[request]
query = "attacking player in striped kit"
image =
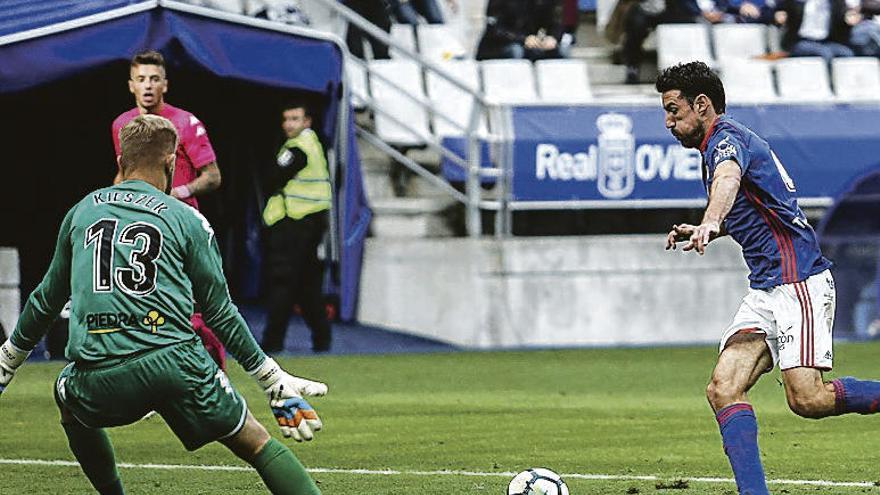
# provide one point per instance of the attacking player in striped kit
(787, 316)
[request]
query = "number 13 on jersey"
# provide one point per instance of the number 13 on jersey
(138, 276)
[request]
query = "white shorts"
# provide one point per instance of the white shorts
(796, 318)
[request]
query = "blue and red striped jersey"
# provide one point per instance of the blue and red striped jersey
(778, 244)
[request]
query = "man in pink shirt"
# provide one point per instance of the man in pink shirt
(195, 171)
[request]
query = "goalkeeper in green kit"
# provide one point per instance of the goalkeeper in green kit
(132, 260)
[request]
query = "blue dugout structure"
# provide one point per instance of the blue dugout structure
(63, 66)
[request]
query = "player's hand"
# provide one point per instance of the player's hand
(296, 417)
(11, 358)
(701, 236)
(181, 192)
(679, 233)
(749, 10)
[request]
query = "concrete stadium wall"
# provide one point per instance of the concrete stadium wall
(551, 291)
(10, 301)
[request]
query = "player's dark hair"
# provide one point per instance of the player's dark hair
(294, 104)
(150, 57)
(693, 79)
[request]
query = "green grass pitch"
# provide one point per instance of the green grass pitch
(621, 412)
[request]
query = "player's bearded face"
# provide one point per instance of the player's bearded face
(682, 120)
(148, 85)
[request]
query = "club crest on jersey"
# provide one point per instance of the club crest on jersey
(724, 150)
(154, 320)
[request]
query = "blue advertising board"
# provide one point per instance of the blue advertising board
(613, 153)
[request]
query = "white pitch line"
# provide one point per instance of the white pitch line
(396, 472)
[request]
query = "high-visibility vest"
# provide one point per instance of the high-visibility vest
(309, 191)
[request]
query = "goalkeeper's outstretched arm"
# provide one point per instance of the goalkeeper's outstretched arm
(41, 308)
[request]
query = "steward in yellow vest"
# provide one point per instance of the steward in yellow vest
(297, 216)
(309, 190)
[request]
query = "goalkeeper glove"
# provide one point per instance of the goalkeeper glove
(11, 358)
(294, 415)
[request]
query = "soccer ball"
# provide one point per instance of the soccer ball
(537, 481)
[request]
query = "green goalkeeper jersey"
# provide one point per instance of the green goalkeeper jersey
(133, 260)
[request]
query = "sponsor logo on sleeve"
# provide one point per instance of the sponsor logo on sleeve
(724, 150)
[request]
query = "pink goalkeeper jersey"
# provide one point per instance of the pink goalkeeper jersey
(193, 152)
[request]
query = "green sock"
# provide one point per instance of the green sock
(282, 472)
(93, 450)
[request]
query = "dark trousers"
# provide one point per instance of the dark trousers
(639, 24)
(375, 11)
(408, 12)
(294, 274)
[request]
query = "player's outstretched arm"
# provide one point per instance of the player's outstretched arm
(725, 186)
(11, 358)
(295, 416)
(41, 308)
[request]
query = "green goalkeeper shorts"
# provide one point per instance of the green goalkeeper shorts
(180, 382)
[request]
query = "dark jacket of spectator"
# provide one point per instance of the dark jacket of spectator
(733, 8)
(510, 21)
(838, 31)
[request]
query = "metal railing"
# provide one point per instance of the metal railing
(498, 134)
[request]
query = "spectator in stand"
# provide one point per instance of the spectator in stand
(817, 28)
(521, 29)
(286, 11)
(746, 11)
(408, 11)
(379, 13)
(570, 14)
(643, 16)
(865, 35)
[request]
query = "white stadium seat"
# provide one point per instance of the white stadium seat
(739, 41)
(439, 42)
(563, 81)
(405, 36)
(454, 102)
(406, 74)
(356, 75)
(856, 78)
(509, 81)
(748, 81)
(683, 43)
(803, 79)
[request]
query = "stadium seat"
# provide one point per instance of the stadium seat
(563, 81)
(403, 35)
(803, 79)
(393, 103)
(356, 75)
(739, 41)
(748, 81)
(683, 43)
(509, 81)
(439, 42)
(454, 102)
(856, 78)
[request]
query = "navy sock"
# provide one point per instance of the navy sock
(739, 435)
(858, 396)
